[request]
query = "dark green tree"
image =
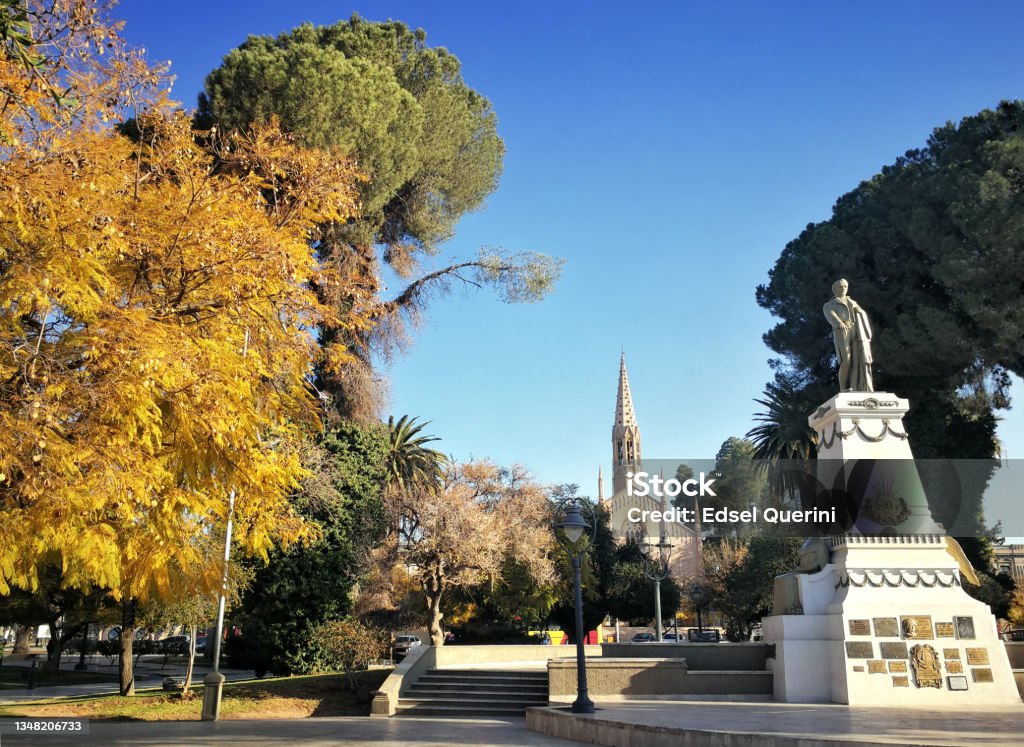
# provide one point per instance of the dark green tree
(430, 149)
(309, 585)
(933, 249)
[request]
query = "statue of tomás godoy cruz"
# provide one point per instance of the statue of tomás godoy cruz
(851, 332)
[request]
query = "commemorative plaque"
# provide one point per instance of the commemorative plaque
(944, 630)
(954, 667)
(950, 653)
(917, 627)
(897, 666)
(886, 627)
(858, 668)
(981, 675)
(957, 683)
(924, 660)
(903, 681)
(860, 627)
(893, 650)
(859, 650)
(964, 627)
(977, 656)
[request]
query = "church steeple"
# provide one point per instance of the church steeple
(625, 433)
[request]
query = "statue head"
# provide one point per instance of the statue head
(840, 287)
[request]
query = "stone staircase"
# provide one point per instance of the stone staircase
(475, 693)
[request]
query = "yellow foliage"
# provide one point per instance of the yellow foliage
(156, 319)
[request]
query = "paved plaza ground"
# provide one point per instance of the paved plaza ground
(318, 732)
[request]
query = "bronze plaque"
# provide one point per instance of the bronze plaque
(903, 681)
(977, 656)
(860, 627)
(924, 660)
(859, 650)
(954, 667)
(894, 650)
(944, 630)
(897, 666)
(964, 627)
(981, 675)
(917, 627)
(858, 668)
(950, 653)
(886, 627)
(876, 666)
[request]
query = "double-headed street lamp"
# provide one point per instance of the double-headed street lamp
(656, 557)
(575, 534)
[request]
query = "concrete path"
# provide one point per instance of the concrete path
(681, 723)
(315, 732)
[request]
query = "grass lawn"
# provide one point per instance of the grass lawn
(14, 677)
(283, 697)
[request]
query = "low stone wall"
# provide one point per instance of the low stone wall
(699, 656)
(635, 677)
(1015, 652)
(455, 656)
(415, 663)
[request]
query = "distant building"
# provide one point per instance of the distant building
(687, 559)
(1009, 559)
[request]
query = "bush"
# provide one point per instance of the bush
(350, 645)
(245, 652)
(494, 632)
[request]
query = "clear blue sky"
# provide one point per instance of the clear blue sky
(668, 154)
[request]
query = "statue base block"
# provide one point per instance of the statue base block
(887, 623)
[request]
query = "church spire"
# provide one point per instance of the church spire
(625, 433)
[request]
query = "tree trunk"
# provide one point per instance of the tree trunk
(434, 586)
(126, 674)
(23, 639)
(191, 659)
(60, 635)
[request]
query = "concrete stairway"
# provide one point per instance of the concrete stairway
(474, 692)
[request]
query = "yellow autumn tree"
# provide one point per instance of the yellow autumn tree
(156, 316)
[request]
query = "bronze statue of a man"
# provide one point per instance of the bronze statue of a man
(851, 332)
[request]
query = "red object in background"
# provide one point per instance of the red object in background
(592, 638)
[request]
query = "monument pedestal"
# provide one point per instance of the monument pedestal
(886, 622)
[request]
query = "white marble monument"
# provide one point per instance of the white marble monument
(881, 618)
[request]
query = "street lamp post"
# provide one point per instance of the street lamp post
(656, 557)
(575, 535)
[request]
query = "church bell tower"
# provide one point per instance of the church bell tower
(625, 434)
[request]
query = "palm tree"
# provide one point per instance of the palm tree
(411, 464)
(784, 442)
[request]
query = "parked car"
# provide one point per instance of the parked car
(671, 638)
(201, 643)
(405, 643)
(642, 638)
(704, 636)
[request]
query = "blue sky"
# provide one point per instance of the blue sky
(668, 152)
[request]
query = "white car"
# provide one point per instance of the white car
(405, 643)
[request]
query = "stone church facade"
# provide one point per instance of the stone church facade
(686, 562)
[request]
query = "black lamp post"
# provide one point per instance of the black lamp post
(575, 535)
(656, 557)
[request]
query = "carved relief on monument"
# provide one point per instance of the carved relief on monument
(917, 627)
(925, 662)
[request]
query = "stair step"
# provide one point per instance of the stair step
(440, 679)
(482, 687)
(432, 709)
(482, 697)
(491, 673)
